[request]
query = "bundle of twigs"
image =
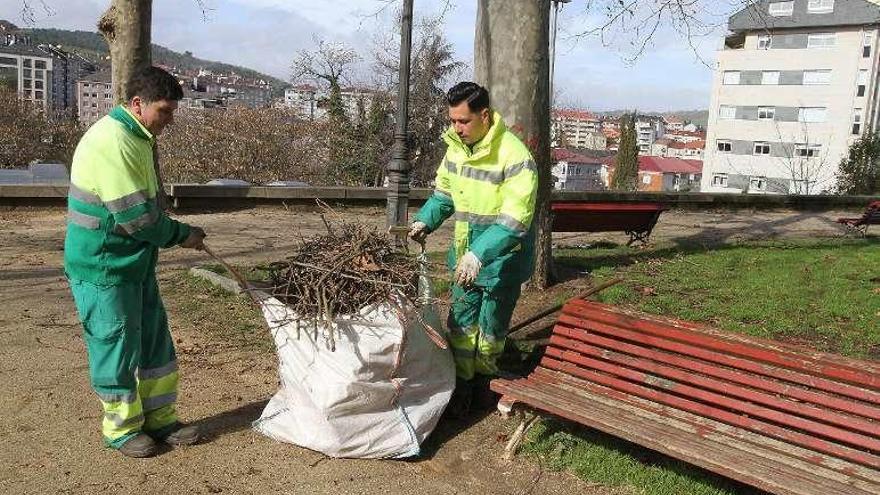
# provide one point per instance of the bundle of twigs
(342, 271)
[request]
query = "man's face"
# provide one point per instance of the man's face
(470, 126)
(154, 115)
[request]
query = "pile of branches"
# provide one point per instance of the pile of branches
(342, 271)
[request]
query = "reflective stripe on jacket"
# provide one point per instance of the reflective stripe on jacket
(114, 224)
(491, 192)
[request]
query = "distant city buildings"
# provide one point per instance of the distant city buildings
(576, 129)
(796, 85)
(95, 97)
(312, 103)
(578, 171)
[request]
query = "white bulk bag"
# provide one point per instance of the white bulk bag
(378, 395)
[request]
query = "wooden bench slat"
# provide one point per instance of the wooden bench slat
(576, 364)
(734, 376)
(709, 427)
(768, 470)
(710, 411)
(659, 340)
(758, 351)
(798, 409)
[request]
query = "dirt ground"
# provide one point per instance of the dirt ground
(49, 418)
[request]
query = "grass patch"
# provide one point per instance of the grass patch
(821, 293)
(228, 317)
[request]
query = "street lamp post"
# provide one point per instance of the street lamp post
(399, 166)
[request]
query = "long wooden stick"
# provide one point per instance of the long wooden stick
(241, 280)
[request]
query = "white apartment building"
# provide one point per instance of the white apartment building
(311, 102)
(575, 172)
(648, 130)
(796, 84)
(27, 71)
(576, 129)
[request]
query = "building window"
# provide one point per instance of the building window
(857, 121)
(766, 113)
(757, 183)
(817, 77)
(821, 40)
(646, 179)
(762, 148)
(781, 9)
(812, 114)
(770, 77)
(726, 112)
(764, 41)
(26, 84)
(820, 6)
(807, 150)
(39, 64)
(724, 146)
(107, 96)
(26, 62)
(731, 77)
(38, 95)
(867, 41)
(862, 82)
(719, 180)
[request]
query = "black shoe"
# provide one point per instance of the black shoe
(460, 403)
(140, 445)
(182, 434)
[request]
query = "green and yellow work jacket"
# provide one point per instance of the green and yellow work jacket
(491, 190)
(114, 223)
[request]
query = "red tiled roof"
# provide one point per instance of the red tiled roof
(673, 120)
(573, 114)
(690, 145)
(562, 154)
(687, 133)
(669, 165)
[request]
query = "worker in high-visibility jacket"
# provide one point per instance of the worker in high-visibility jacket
(115, 227)
(488, 181)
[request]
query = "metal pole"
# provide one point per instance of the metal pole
(399, 167)
(553, 17)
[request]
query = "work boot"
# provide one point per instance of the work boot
(484, 399)
(460, 403)
(182, 434)
(140, 445)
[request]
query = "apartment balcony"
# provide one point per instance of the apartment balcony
(735, 41)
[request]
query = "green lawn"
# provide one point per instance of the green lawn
(824, 294)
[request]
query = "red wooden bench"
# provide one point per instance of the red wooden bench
(859, 225)
(635, 219)
(766, 414)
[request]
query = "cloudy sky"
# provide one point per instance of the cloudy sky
(671, 73)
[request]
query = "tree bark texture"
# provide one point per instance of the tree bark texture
(126, 26)
(511, 59)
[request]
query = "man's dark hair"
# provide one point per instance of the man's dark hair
(153, 84)
(475, 95)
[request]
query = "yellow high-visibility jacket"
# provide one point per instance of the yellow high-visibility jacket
(114, 224)
(491, 190)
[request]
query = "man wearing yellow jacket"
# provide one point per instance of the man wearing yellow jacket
(488, 181)
(115, 228)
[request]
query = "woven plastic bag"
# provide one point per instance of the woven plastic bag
(378, 395)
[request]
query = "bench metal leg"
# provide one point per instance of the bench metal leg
(516, 439)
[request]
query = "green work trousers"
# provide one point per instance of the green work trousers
(478, 323)
(132, 363)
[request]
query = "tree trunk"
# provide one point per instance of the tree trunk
(511, 59)
(126, 27)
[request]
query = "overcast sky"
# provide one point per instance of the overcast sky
(265, 35)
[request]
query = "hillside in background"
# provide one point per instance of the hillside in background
(92, 46)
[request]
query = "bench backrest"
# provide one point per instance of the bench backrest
(827, 404)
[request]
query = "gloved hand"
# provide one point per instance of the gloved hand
(467, 270)
(195, 240)
(418, 231)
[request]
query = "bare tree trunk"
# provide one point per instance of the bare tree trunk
(126, 27)
(511, 59)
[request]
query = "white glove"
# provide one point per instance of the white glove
(418, 231)
(467, 270)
